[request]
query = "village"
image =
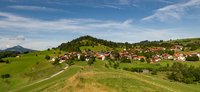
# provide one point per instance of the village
(151, 55)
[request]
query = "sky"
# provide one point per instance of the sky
(42, 24)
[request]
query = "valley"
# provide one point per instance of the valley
(33, 72)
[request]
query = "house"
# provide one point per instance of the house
(155, 59)
(140, 57)
(156, 49)
(87, 59)
(195, 53)
(198, 54)
(79, 56)
(53, 59)
(176, 48)
(167, 56)
(179, 57)
(134, 57)
(102, 56)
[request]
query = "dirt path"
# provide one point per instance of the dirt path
(47, 78)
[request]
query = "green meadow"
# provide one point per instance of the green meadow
(27, 70)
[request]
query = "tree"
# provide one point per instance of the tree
(142, 60)
(115, 54)
(56, 62)
(116, 65)
(192, 58)
(70, 62)
(91, 61)
(148, 60)
(47, 57)
(125, 60)
(171, 52)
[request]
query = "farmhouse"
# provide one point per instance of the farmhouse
(179, 57)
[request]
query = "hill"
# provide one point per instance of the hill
(32, 72)
(18, 48)
(97, 78)
(92, 43)
(76, 44)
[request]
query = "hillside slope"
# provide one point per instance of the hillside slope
(75, 44)
(88, 42)
(96, 78)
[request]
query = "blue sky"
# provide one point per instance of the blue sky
(41, 24)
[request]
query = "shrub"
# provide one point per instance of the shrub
(125, 60)
(142, 60)
(91, 61)
(47, 57)
(183, 73)
(116, 65)
(2, 61)
(70, 62)
(4, 76)
(56, 62)
(192, 58)
(7, 61)
(154, 72)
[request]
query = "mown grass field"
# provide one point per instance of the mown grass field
(26, 69)
(29, 68)
(97, 78)
(163, 63)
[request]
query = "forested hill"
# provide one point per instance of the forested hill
(89, 41)
(75, 44)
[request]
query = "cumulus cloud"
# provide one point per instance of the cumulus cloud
(14, 22)
(53, 30)
(172, 12)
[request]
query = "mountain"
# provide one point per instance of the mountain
(18, 48)
(75, 44)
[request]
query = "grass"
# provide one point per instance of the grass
(45, 84)
(95, 48)
(100, 79)
(80, 77)
(26, 69)
(138, 64)
(163, 63)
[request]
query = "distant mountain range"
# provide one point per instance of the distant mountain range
(18, 48)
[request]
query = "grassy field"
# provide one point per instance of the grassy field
(30, 68)
(26, 69)
(95, 48)
(163, 63)
(97, 78)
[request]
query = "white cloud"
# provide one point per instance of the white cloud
(18, 38)
(13, 22)
(172, 12)
(105, 29)
(107, 6)
(36, 8)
